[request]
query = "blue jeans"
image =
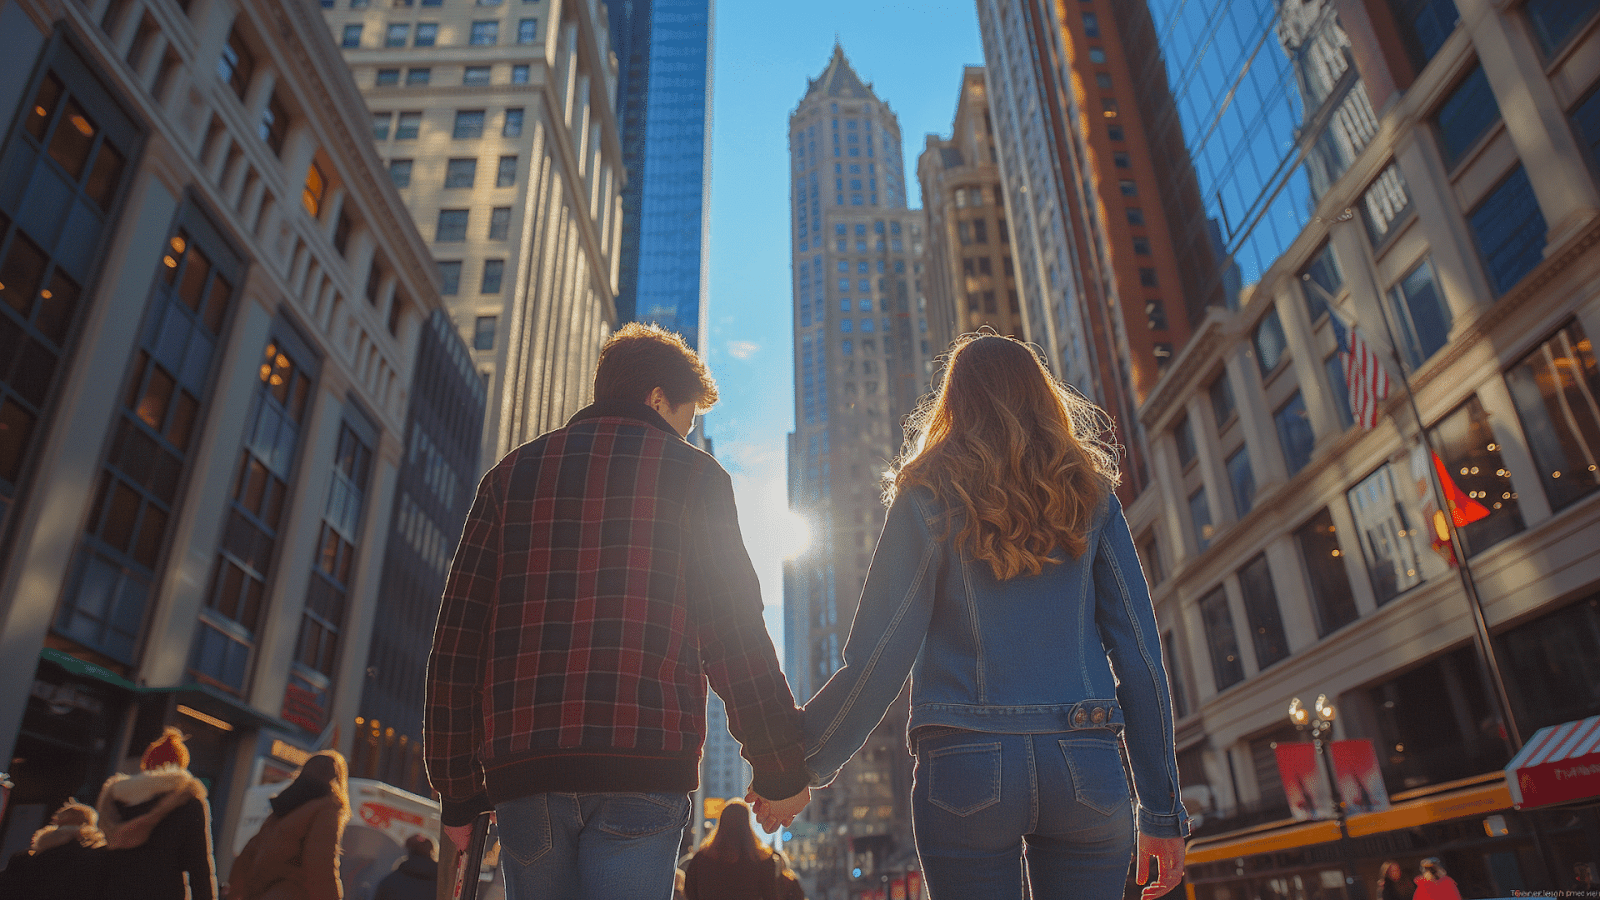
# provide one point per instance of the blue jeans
(603, 846)
(984, 805)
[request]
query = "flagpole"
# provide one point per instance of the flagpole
(1511, 734)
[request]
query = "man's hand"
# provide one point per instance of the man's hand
(1168, 854)
(771, 814)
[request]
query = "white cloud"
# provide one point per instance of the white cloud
(742, 349)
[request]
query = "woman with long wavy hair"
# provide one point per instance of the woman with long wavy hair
(733, 864)
(1006, 585)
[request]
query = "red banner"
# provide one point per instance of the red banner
(1360, 780)
(1305, 784)
(914, 885)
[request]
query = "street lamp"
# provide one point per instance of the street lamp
(1318, 721)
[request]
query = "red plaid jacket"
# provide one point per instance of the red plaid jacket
(600, 580)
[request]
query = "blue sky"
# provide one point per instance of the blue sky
(912, 54)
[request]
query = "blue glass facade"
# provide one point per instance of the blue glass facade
(1262, 101)
(663, 51)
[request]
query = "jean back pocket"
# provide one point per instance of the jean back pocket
(1098, 779)
(964, 778)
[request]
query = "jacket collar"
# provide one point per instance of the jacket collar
(626, 409)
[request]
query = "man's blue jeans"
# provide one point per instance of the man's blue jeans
(610, 846)
(983, 806)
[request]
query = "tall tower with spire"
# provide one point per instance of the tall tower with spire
(862, 359)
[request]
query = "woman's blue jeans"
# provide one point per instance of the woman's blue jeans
(984, 806)
(600, 846)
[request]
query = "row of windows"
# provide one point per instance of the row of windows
(452, 226)
(493, 276)
(460, 172)
(400, 34)
(420, 76)
(468, 124)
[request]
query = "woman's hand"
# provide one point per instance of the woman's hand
(1168, 854)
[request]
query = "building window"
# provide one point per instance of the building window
(165, 396)
(1555, 390)
(1150, 559)
(1385, 204)
(499, 222)
(1121, 160)
(1147, 277)
(1556, 21)
(1320, 282)
(484, 34)
(1509, 230)
(1227, 669)
(1200, 518)
(380, 126)
(1183, 436)
(427, 33)
(407, 126)
(315, 190)
(483, 332)
(1135, 216)
(469, 124)
(1420, 312)
(527, 31)
(449, 277)
(1222, 408)
(322, 622)
(519, 74)
(506, 174)
(1424, 25)
(237, 64)
(400, 172)
(1551, 666)
(396, 35)
(274, 128)
(387, 78)
(1482, 500)
(1243, 481)
(475, 75)
(1294, 433)
(1271, 346)
(350, 38)
(493, 273)
(452, 226)
(1261, 611)
(513, 123)
(1586, 122)
(1465, 116)
(236, 599)
(460, 173)
(1331, 600)
(1102, 80)
(1155, 314)
(418, 76)
(1114, 132)
(1386, 534)
(341, 232)
(1339, 386)
(1161, 350)
(1141, 246)
(1176, 683)
(1129, 187)
(1091, 25)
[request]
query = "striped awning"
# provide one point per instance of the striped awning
(1558, 764)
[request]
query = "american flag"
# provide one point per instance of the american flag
(1364, 374)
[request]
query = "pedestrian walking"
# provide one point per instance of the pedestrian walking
(295, 854)
(733, 864)
(1006, 583)
(1391, 881)
(157, 825)
(64, 859)
(1433, 883)
(600, 582)
(414, 878)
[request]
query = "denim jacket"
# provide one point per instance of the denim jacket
(1073, 647)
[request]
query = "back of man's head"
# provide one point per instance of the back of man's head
(640, 358)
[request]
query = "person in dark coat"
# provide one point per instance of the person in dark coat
(414, 878)
(1391, 881)
(158, 827)
(733, 864)
(64, 859)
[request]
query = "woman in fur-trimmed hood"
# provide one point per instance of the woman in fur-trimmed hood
(63, 860)
(295, 855)
(158, 827)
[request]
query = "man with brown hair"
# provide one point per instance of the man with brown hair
(600, 581)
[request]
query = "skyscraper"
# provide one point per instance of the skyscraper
(663, 52)
(497, 123)
(861, 362)
(969, 275)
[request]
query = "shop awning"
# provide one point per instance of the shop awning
(1559, 763)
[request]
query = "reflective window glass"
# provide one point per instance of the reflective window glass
(1556, 390)
(1509, 230)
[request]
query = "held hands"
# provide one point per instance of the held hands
(771, 814)
(1168, 854)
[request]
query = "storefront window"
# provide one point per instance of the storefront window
(1482, 498)
(1387, 535)
(1556, 390)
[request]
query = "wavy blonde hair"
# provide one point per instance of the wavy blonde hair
(1017, 452)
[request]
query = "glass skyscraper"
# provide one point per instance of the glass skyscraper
(663, 52)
